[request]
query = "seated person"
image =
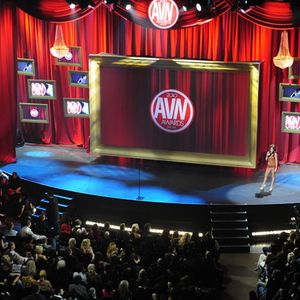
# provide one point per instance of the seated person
(26, 231)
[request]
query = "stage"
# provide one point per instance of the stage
(72, 169)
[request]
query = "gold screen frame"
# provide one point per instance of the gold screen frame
(98, 60)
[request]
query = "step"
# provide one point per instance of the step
(63, 197)
(59, 204)
(229, 221)
(219, 225)
(232, 216)
(41, 208)
(241, 237)
(228, 212)
(233, 230)
(44, 209)
(233, 240)
(235, 248)
(225, 232)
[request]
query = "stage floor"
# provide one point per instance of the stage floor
(72, 169)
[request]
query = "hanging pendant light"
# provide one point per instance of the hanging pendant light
(59, 49)
(283, 59)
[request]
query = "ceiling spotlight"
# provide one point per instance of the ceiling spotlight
(184, 8)
(72, 3)
(126, 4)
(91, 4)
(198, 6)
(109, 1)
(85, 4)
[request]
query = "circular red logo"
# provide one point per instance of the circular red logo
(172, 111)
(163, 13)
(34, 113)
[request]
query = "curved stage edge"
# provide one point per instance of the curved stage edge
(176, 196)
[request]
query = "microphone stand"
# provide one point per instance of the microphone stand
(139, 197)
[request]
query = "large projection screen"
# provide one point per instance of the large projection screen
(190, 111)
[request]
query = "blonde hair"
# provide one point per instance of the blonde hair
(135, 227)
(185, 239)
(91, 268)
(123, 288)
(86, 246)
(72, 242)
(5, 259)
(30, 268)
(61, 264)
(39, 249)
(43, 274)
(111, 249)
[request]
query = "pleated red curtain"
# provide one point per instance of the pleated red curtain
(8, 82)
(226, 38)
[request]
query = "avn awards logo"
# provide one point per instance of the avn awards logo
(163, 13)
(34, 113)
(172, 111)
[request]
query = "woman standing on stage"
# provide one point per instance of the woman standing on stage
(272, 163)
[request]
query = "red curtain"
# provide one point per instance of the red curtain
(54, 10)
(220, 102)
(272, 14)
(226, 38)
(8, 82)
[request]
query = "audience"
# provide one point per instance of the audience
(102, 263)
(279, 269)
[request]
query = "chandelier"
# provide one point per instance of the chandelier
(59, 49)
(283, 59)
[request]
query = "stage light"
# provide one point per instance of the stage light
(126, 4)
(198, 6)
(91, 4)
(110, 1)
(244, 6)
(72, 3)
(152, 230)
(85, 4)
(271, 232)
(184, 7)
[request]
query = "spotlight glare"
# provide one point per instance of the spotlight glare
(198, 6)
(184, 8)
(128, 6)
(72, 5)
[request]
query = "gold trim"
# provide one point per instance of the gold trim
(95, 63)
(23, 120)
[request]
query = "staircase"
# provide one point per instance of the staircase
(63, 204)
(229, 226)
